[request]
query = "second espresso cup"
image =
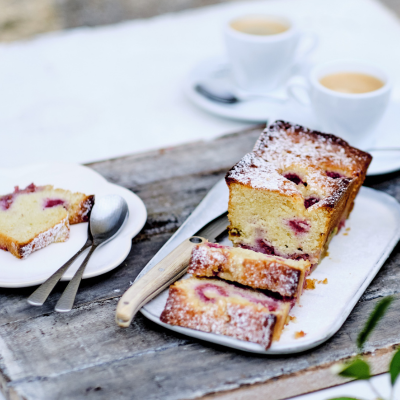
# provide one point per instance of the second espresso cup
(261, 50)
(349, 99)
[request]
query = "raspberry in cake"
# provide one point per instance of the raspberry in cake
(211, 305)
(249, 268)
(293, 193)
(37, 216)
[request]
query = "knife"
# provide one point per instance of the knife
(167, 271)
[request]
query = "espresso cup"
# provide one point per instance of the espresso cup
(349, 99)
(262, 49)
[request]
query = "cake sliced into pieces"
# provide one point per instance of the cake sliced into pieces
(37, 216)
(211, 305)
(294, 192)
(249, 268)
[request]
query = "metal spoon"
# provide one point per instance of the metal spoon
(106, 220)
(220, 94)
(40, 295)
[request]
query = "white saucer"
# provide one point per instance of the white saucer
(40, 265)
(261, 110)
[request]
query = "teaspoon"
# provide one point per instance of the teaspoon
(107, 218)
(224, 96)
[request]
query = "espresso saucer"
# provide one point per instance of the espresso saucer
(260, 110)
(216, 70)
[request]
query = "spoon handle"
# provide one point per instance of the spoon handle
(67, 299)
(39, 296)
(167, 271)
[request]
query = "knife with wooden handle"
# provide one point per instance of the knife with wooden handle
(166, 272)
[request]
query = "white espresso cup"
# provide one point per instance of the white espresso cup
(352, 116)
(260, 62)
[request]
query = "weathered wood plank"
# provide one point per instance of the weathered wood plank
(48, 355)
(146, 363)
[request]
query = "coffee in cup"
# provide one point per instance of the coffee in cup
(262, 50)
(351, 82)
(261, 26)
(348, 97)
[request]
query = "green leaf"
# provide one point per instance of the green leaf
(358, 369)
(376, 315)
(344, 398)
(395, 367)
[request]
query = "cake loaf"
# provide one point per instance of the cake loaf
(211, 305)
(37, 216)
(293, 193)
(249, 268)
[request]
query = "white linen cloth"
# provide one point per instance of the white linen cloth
(94, 93)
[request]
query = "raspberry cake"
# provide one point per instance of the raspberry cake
(249, 268)
(37, 216)
(293, 193)
(211, 305)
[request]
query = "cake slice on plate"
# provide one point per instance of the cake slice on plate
(37, 216)
(293, 193)
(211, 305)
(249, 268)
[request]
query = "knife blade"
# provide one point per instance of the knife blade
(167, 271)
(214, 228)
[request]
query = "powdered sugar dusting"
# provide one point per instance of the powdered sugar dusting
(254, 171)
(285, 145)
(203, 256)
(248, 268)
(58, 233)
(242, 314)
(86, 207)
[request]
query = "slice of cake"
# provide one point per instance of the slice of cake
(249, 268)
(37, 216)
(211, 305)
(294, 192)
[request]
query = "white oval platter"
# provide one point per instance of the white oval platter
(355, 256)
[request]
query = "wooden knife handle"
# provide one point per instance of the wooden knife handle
(167, 271)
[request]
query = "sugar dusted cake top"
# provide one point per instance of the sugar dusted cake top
(254, 171)
(309, 165)
(286, 144)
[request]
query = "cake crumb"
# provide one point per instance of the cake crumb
(327, 254)
(347, 229)
(298, 335)
(310, 284)
(345, 234)
(292, 319)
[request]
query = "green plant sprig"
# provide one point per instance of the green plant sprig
(358, 368)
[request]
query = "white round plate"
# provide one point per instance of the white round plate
(36, 268)
(260, 110)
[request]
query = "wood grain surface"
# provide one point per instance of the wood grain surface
(84, 354)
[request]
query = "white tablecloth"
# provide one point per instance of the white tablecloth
(93, 93)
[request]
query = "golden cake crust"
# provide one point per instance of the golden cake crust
(249, 268)
(215, 306)
(57, 233)
(285, 144)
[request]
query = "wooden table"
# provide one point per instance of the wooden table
(83, 354)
